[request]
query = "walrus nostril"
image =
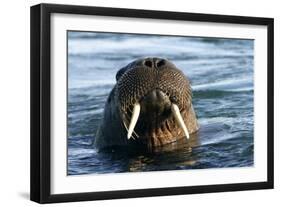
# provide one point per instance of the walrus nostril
(160, 62)
(148, 63)
(154, 62)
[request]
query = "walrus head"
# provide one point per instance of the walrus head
(152, 100)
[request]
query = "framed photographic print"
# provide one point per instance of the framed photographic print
(132, 103)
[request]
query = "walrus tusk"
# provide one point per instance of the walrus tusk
(134, 119)
(177, 114)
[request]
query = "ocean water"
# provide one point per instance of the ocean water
(221, 74)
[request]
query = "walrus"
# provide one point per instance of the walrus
(150, 105)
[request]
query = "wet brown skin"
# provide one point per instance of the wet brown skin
(155, 84)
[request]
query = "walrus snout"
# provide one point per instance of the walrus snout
(156, 102)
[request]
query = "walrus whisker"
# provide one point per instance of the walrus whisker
(127, 130)
(125, 120)
(125, 126)
(126, 117)
(134, 119)
(135, 133)
(179, 119)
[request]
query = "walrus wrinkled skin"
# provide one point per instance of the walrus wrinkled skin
(150, 105)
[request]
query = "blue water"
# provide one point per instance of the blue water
(221, 74)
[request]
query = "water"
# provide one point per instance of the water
(221, 74)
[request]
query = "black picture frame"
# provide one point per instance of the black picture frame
(41, 98)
